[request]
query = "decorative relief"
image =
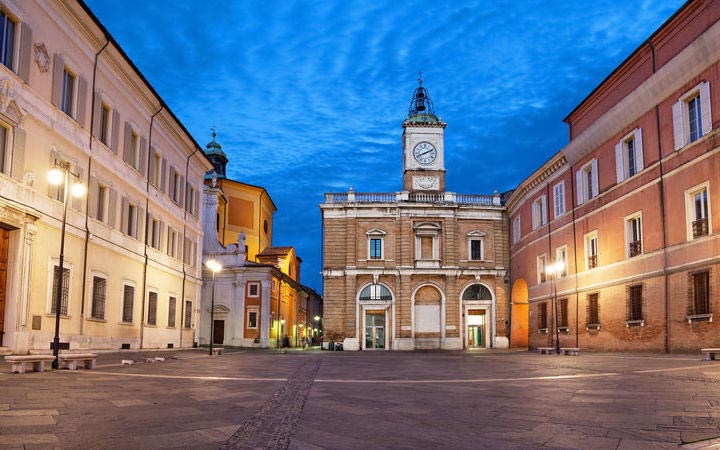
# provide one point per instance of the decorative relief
(426, 183)
(7, 93)
(41, 57)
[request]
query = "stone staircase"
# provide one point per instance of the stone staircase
(4, 351)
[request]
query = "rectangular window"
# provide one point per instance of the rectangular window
(559, 198)
(587, 182)
(561, 257)
(128, 303)
(188, 314)
(692, 115)
(541, 269)
(539, 212)
(542, 316)
(152, 308)
(629, 155)
(593, 309)
(698, 212)
(154, 230)
(476, 249)
(7, 41)
(130, 225)
(252, 319)
(67, 97)
(376, 248)
(699, 295)
(171, 242)
(174, 185)
(635, 302)
(100, 206)
(3, 149)
(591, 250)
(253, 289)
(516, 230)
(65, 290)
(189, 199)
(133, 156)
(171, 311)
(563, 313)
(105, 124)
(633, 235)
(157, 169)
(99, 287)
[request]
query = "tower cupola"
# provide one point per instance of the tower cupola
(216, 155)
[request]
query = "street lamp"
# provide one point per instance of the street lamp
(317, 327)
(553, 270)
(60, 174)
(214, 267)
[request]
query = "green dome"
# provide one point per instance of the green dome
(213, 148)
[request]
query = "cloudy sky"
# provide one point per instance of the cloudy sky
(308, 96)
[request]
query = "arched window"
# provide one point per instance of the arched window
(375, 292)
(477, 292)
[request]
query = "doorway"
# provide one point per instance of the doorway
(476, 328)
(218, 331)
(375, 330)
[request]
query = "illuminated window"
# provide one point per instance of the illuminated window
(591, 250)
(541, 263)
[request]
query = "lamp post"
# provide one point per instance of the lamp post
(553, 270)
(214, 267)
(60, 175)
(317, 327)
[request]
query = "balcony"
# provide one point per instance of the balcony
(634, 249)
(700, 228)
(592, 261)
(446, 198)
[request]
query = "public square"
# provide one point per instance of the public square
(314, 399)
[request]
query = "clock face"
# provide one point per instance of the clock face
(425, 153)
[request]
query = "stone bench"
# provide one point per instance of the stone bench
(217, 351)
(70, 360)
(710, 353)
(21, 363)
(570, 351)
(546, 350)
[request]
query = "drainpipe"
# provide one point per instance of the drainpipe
(575, 259)
(145, 247)
(87, 196)
(661, 184)
(182, 295)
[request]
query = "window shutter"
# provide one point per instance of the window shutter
(705, 108)
(181, 191)
(127, 140)
(595, 189)
(151, 164)
(196, 202)
(112, 208)
(58, 68)
(76, 202)
(25, 52)
(619, 161)
(161, 236)
(18, 154)
(678, 125)
(163, 175)
(97, 107)
(544, 215)
(140, 224)
(142, 157)
(639, 162)
(124, 216)
(579, 190)
(93, 197)
(115, 138)
(81, 101)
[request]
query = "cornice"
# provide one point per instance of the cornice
(543, 173)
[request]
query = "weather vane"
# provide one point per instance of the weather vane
(420, 77)
(212, 128)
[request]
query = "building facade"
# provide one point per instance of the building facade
(628, 207)
(256, 299)
(420, 268)
(71, 98)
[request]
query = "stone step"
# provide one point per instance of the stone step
(4, 351)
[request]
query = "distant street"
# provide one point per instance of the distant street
(353, 400)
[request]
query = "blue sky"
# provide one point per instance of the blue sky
(309, 97)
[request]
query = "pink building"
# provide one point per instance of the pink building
(627, 206)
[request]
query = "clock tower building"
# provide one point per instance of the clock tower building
(423, 146)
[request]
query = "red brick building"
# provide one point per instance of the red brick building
(629, 206)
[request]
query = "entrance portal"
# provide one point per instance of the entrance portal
(218, 331)
(375, 330)
(476, 328)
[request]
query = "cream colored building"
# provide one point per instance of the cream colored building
(419, 268)
(69, 94)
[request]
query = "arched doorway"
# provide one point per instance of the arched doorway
(428, 317)
(374, 304)
(519, 314)
(477, 302)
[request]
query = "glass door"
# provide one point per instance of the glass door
(476, 328)
(374, 330)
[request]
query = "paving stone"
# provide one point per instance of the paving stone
(14, 421)
(26, 438)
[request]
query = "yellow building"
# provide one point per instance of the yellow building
(71, 98)
(257, 298)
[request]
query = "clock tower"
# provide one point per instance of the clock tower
(423, 145)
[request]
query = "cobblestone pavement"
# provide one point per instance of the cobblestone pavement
(347, 400)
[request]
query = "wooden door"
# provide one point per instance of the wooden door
(4, 245)
(218, 331)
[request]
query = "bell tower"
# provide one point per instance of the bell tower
(423, 145)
